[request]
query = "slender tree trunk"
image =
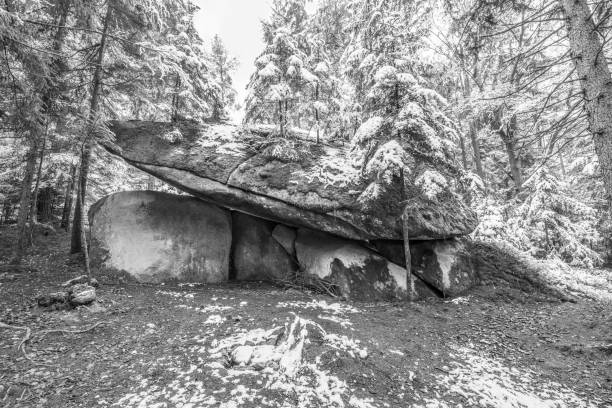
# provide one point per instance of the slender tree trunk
(69, 197)
(476, 149)
(77, 244)
(281, 118)
(463, 153)
(514, 161)
(317, 113)
(410, 284)
(506, 133)
(562, 164)
(34, 200)
(596, 81)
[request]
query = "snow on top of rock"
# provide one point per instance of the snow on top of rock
(332, 169)
(432, 183)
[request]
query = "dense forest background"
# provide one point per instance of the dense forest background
(514, 96)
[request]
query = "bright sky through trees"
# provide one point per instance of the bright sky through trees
(238, 22)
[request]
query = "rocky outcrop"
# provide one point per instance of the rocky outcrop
(445, 265)
(356, 272)
(296, 183)
(256, 255)
(157, 237)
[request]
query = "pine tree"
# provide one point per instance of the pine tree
(281, 71)
(222, 65)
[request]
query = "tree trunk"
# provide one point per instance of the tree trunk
(506, 133)
(45, 204)
(405, 228)
(317, 113)
(463, 153)
(77, 244)
(70, 186)
(596, 81)
(281, 118)
(34, 200)
(476, 150)
(562, 164)
(24, 204)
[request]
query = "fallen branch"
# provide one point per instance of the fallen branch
(28, 336)
(68, 331)
(313, 283)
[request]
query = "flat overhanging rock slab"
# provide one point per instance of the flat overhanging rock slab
(294, 182)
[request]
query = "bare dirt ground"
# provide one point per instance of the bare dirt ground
(180, 346)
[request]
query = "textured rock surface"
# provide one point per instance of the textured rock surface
(444, 264)
(320, 190)
(82, 294)
(359, 273)
(156, 237)
(256, 255)
(286, 237)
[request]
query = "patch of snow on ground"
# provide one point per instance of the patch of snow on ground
(176, 295)
(343, 343)
(214, 319)
(345, 323)
(206, 309)
(334, 308)
(487, 382)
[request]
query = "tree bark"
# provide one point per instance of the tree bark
(24, 205)
(476, 150)
(68, 199)
(405, 228)
(596, 82)
(77, 244)
(506, 133)
(34, 200)
(45, 204)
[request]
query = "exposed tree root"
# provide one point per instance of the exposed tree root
(28, 336)
(43, 333)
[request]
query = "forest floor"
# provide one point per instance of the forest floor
(168, 346)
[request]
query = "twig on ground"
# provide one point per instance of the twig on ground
(28, 336)
(68, 331)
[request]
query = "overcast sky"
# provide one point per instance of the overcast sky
(238, 24)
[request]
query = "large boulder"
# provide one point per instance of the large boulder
(355, 271)
(157, 237)
(256, 255)
(292, 181)
(445, 265)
